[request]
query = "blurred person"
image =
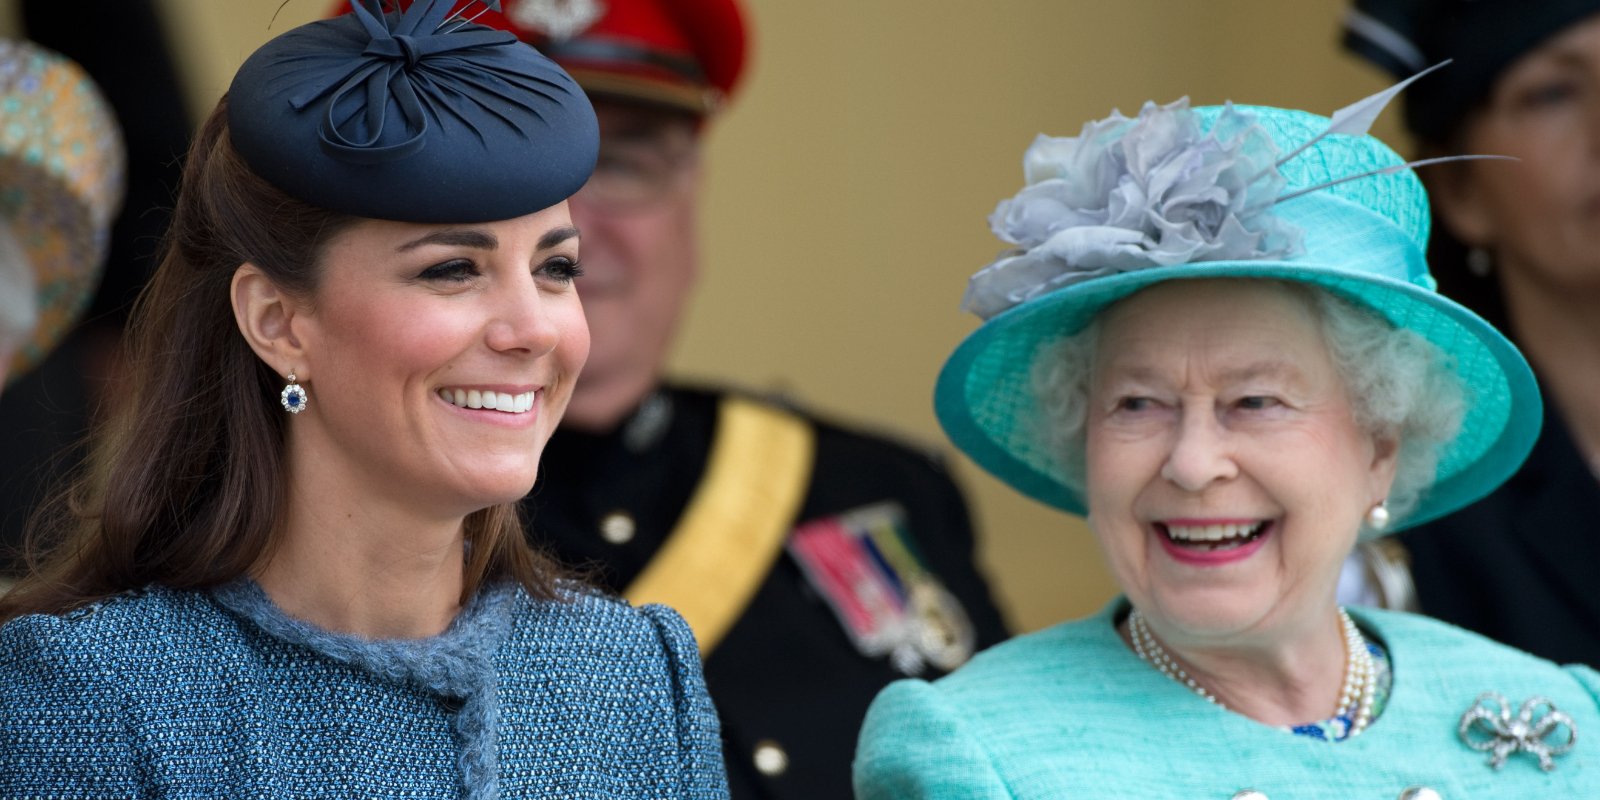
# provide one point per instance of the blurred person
(125, 49)
(295, 566)
(1519, 243)
(1214, 335)
(61, 181)
(815, 563)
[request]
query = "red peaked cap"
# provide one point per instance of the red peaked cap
(687, 54)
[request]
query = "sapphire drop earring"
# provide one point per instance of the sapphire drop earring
(293, 396)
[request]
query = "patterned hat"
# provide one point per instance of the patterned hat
(1221, 192)
(62, 168)
(685, 54)
(414, 115)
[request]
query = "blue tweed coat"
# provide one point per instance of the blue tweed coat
(173, 694)
(1071, 712)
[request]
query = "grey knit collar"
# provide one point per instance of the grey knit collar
(457, 666)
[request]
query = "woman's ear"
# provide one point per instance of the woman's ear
(1459, 197)
(1385, 463)
(265, 315)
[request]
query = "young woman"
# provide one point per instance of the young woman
(294, 569)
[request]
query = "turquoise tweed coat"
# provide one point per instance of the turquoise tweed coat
(179, 694)
(1071, 712)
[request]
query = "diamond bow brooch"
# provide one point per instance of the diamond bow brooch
(1490, 727)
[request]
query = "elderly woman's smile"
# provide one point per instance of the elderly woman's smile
(1210, 541)
(1227, 474)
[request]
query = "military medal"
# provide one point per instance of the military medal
(865, 566)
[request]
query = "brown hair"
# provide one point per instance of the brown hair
(185, 483)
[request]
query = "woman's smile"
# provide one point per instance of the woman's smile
(1212, 543)
(504, 404)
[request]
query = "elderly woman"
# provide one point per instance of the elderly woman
(296, 568)
(1518, 243)
(1217, 338)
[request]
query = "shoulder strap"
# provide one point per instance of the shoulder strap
(736, 522)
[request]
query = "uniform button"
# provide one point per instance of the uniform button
(770, 758)
(617, 527)
(1249, 794)
(1419, 793)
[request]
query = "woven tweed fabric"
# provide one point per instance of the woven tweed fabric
(1072, 712)
(187, 695)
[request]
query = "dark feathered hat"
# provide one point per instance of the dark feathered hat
(1481, 38)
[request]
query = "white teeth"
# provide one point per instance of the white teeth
(493, 401)
(1210, 533)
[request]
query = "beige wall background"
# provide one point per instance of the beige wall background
(849, 184)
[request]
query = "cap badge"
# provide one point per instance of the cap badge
(558, 19)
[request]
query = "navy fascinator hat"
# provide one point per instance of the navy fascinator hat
(413, 115)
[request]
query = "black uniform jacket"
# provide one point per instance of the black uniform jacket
(790, 686)
(1523, 564)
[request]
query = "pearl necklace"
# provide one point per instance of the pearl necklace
(1360, 687)
(1151, 652)
(1356, 695)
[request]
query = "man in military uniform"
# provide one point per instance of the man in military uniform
(814, 563)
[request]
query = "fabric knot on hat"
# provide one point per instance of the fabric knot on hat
(407, 45)
(392, 69)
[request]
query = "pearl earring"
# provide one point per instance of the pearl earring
(293, 397)
(1479, 262)
(1378, 517)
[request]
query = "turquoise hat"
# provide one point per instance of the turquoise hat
(1219, 192)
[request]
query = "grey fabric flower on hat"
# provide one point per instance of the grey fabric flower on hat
(1128, 194)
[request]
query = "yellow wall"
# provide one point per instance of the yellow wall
(850, 182)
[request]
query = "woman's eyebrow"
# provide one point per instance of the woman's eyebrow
(557, 236)
(481, 240)
(1572, 57)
